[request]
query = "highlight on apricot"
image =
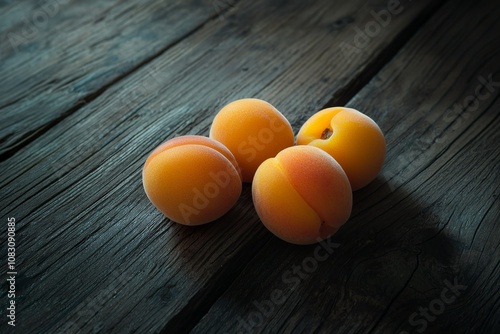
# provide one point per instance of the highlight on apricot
(192, 180)
(302, 195)
(350, 137)
(253, 130)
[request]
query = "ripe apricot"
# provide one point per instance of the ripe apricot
(302, 195)
(352, 138)
(253, 130)
(192, 180)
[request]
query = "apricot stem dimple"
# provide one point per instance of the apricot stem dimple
(327, 133)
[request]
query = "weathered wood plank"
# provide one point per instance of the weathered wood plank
(95, 254)
(429, 222)
(57, 55)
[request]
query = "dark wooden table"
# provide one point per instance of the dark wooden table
(88, 89)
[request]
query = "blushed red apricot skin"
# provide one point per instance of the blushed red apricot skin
(253, 130)
(353, 139)
(302, 195)
(192, 180)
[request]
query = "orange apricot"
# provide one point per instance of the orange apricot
(302, 195)
(192, 180)
(349, 136)
(253, 130)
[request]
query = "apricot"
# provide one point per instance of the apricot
(192, 180)
(302, 195)
(253, 130)
(352, 138)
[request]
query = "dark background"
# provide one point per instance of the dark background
(88, 89)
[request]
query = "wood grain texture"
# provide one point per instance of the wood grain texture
(58, 55)
(431, 217)
(95, 254)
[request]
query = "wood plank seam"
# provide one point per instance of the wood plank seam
(30, 136)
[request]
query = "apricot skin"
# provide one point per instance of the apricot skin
(192, 180)
(253, 130)
(349, 136)
(302, 195)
